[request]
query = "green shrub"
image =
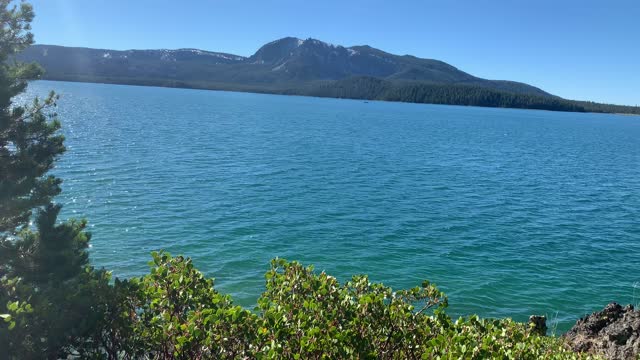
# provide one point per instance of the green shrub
(175, 313)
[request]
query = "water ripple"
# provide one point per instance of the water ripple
(511, 212)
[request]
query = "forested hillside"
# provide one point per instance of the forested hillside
(458, 94)
(302, 67)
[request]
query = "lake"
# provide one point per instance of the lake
(510, 212)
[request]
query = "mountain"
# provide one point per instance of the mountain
(311, 59)
(294, 66)
(285, 61)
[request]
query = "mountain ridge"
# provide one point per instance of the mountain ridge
(295, 66)
(290, 59)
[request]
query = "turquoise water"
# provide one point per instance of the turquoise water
(511, 212)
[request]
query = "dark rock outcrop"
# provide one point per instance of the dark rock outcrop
(613, 333)
(538, 324)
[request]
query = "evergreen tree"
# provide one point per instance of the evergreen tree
(29, 143)
(47, 289)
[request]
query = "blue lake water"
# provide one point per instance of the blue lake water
(510, 212)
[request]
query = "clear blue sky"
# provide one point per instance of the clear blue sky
(578, 49)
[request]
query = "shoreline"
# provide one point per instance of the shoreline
(291, 92)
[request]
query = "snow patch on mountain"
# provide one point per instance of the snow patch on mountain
(213, 54)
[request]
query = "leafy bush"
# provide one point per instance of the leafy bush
(179, 315)
(175, 313)
(305, 315)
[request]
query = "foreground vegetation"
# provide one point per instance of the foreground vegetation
(175, 313)
(55, 305)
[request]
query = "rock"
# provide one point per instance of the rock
(613, 333)
(539, 324)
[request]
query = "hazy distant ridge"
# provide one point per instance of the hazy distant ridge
(306, 67)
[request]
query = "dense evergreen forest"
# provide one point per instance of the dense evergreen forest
(467, 95)
(369, 88)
